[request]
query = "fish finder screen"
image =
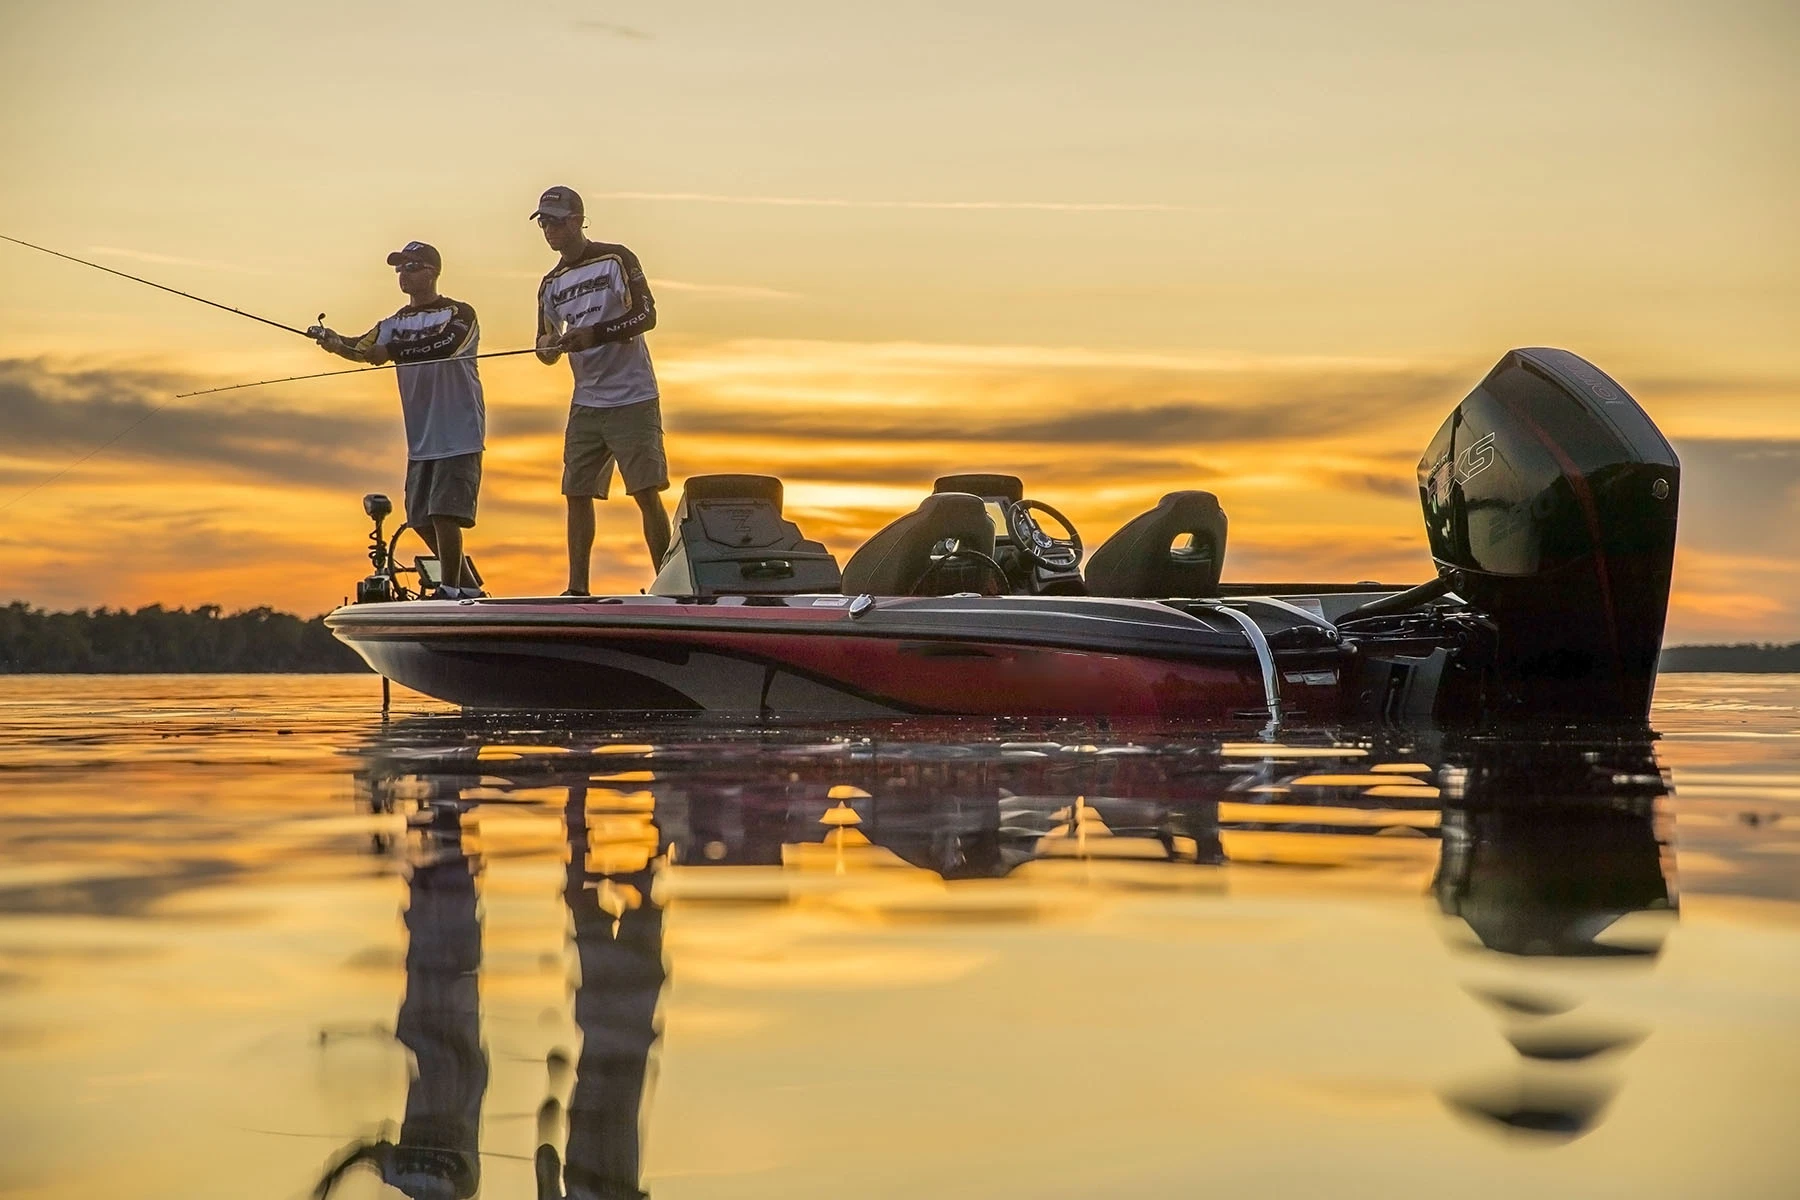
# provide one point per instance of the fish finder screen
(996, 512)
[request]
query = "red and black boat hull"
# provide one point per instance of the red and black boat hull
(812, 657)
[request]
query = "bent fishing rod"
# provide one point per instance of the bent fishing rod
(152, 283)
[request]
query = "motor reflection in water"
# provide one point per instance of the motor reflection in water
(1545, 850)
(1555, 856)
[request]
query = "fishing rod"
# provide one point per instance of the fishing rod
(206, 391)
(152, 283)
(232, 387)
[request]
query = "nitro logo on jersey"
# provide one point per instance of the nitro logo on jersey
(597, 283)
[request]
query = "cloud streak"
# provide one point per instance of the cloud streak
(60, 417)
(741, 291)
(1056, 206)
(1324, 410)
(613, 29)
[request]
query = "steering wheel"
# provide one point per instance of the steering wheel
(1052, 554)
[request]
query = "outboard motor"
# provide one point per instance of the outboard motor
(1552, 496)
(731, 540)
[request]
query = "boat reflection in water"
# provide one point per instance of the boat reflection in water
(1554, 856)
(1545, 851)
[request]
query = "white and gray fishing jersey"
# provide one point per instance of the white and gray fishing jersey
(604, 288)
(440, 388)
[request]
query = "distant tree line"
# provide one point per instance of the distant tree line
(1732, 658)
(156, 640)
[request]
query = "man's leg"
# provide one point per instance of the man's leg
(448, 543)
(581, 541)
(418, 500)
(656, 526)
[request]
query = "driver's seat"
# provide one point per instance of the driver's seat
(1143, 559)
(899, 561)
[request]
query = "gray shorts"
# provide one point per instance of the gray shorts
(442, 487)
(630, 434)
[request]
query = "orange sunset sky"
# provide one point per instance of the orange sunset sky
(1119, 249)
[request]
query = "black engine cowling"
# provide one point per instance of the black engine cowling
(1553, 496)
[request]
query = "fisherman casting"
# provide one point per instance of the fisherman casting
(433, 340)
(595, 306)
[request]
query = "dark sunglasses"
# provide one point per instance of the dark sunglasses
(403, 268)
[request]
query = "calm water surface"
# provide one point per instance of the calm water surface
(255, 942)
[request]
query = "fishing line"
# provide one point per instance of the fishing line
(206, 391)
(97, 449)
(152, 283)
(232, 387)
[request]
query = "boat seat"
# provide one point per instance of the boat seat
(1175, 549)
(898, 561)
(730, 539)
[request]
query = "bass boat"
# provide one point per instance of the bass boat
(1549, 499)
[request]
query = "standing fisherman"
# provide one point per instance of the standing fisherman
(434, 339)
(595, 306)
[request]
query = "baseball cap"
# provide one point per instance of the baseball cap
(558, 202)
(417, 252)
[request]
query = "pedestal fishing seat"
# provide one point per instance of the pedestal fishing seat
(1175, 549)
(731, 540)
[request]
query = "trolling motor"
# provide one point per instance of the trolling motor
(381, 586)
(384, 584)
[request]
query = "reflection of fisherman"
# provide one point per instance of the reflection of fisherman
(434, 338)
(437, 1156)
(618, 940)
(595, 306)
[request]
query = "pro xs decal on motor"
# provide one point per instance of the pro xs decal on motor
(1471, 462)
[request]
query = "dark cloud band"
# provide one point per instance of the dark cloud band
(55, 416)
